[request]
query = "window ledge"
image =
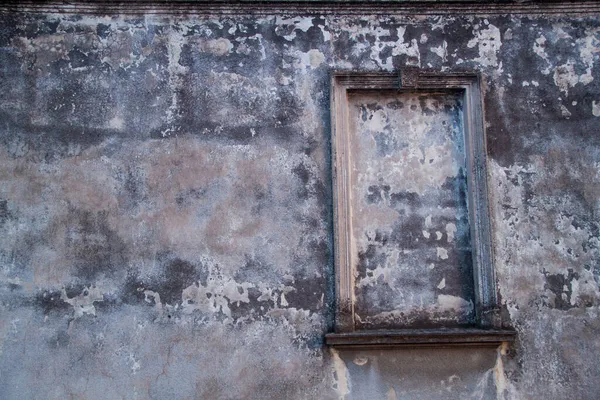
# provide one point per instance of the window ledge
(420, 338)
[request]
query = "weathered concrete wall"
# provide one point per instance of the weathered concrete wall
(166, 205)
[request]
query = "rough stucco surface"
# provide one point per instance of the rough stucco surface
(166, 205)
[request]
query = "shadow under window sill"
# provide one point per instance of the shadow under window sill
(442, 337)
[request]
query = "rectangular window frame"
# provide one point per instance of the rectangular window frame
(488, 329)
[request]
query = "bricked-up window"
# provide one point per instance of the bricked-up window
(412, 232)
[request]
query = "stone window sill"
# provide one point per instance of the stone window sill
(420, 338)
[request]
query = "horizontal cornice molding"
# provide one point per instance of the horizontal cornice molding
(306, 7)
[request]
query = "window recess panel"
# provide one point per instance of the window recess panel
(412, 233)
(410, 224)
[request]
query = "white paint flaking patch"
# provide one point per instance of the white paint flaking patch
(300, 23)
(283, 301)
(84, 303)
(488, 42)
(589, 46)
(326, 33)
(410, 49)
(316, 58)
(150, 296)
(360, 35)
(450, 231)
(373, 276)
(442, 284)
(321, 301)
(426, 234)
(565, 77)
(246, 46)
(304, 24)
(215, 296)
(539, 48)
(266, 294)
(596, 108)
(311, 59)
(176, 70)
(441, 51)
(583, 288)
(574, 291)
(442, 253)
(302, 321)
(428, 223)
(440, 23)
(438, 235)
(116, 123)
(446, 302)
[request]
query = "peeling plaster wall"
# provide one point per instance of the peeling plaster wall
(409, 193)
(165, 205)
